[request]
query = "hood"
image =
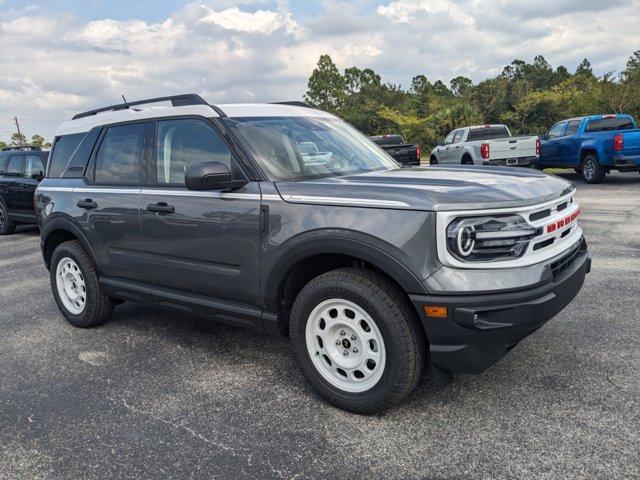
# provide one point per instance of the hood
(434, 188)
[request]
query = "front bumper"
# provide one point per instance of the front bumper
(480, 329)
(512, 162)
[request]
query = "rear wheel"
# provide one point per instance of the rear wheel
(357, 340)
(7, 227)
(466, 160)
(591, 170)
(433, 160)
(76, 288)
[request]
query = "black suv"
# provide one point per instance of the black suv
(21, 169)
(287, 220)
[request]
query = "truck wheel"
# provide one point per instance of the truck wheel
(433, 160)
(357, 340)
(7, 227)
(466, 160)
(75, 287)
(591, 170)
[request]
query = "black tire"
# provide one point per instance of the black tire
(98, 307)
(591, 170)
(433, 160)
(7, 227)
(404, 339)
(466, 160)
(578, 170)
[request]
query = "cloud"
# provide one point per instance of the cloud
(230, 50)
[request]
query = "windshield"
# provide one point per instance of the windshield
(299, 148)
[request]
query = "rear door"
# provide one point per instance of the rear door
(199, 242)
(107, 205)
(549, 146)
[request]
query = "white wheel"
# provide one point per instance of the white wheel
(345, 345)
(71, 286)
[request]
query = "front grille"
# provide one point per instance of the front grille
(565, 262)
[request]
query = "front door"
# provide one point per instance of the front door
(32, 174)
(199, 242)
(11, 184)
(550, 146)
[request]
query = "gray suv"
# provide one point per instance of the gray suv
(287, 220)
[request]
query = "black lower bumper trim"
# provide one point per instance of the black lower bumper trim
(481, 329)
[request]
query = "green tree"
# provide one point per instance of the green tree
(18, 139)
(3, 145)
(326, 86)
(585, 68)
(460, 86)
(38, 141)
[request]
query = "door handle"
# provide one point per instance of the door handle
(87, 204)
(161, 207)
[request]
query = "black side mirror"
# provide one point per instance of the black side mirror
(37, 176)
(210, 176)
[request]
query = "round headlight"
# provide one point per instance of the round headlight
(466, 240)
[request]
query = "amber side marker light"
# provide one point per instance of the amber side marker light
(435, 311)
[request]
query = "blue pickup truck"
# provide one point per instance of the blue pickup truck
(593, 146)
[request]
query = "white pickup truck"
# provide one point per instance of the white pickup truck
(487, 145)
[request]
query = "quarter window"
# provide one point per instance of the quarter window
(14, 169)
(182, 143)
(63, 150)
(118, 159)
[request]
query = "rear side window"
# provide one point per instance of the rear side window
(33, 166)
(572, 127)
(63, 150)
(609, 124)
(14, 168)
(182, 143)
(118, 159)
(488, 133)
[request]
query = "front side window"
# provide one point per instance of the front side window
(14, 168)
(557, 130)
(297, 148)
(457, 138)
(118, 159)
(449, 139)
(182, 143)
(33, 166)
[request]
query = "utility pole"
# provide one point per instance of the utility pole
(15, 119)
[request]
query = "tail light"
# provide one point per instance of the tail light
(618, 142)
(484, 151)
(537, 146)
(419, 152)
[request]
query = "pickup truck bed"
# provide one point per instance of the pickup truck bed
(407, 154)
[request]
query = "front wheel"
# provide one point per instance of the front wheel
(75, 286)
(591, 170)
(357, 340)
(433, 160)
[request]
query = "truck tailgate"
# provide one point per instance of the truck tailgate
(514, 147)
(631, 142)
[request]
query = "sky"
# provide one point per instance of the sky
(59, 57)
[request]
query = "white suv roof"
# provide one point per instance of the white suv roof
(144, 109)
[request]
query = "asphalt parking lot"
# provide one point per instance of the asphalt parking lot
(154, 394)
